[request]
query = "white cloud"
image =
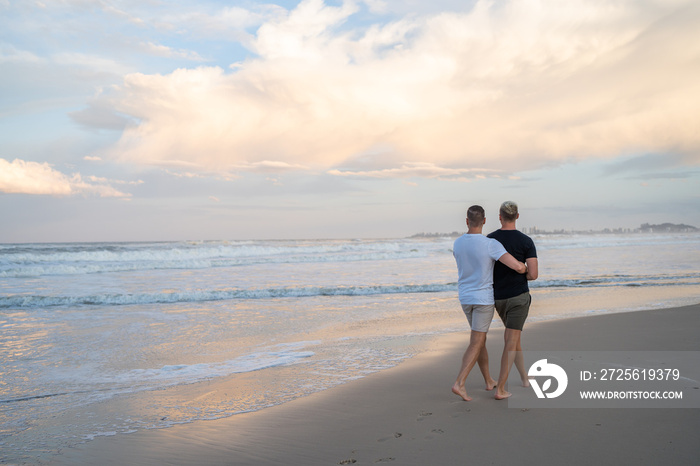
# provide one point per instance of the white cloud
(376, 6)
(169, 52)
(95, 63)
(21, 177)
(271, 166)
(511, 86)
(228, 23)
(9, 53)
(419, 169)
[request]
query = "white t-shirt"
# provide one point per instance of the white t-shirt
(476, 255)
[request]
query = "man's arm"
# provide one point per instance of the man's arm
(532, 270)
(513, 263)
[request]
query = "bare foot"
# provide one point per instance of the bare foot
(491, 385)
(526, 382)
(502, 395)
(457, 390)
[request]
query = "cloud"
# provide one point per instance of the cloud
(98, 116)
(419, 169)
(650, 163)
(165, 51)
(51, 81)
(92, 64)
(230, 23)
(21, 177)
(665, 176)
(506, 86)
(9, 53)
(271, 167)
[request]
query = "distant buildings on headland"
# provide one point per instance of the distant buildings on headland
(644, 228)
(667, 228)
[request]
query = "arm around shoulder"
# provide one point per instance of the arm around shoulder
(510, 261)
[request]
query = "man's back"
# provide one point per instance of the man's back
(475, 255)
(508, 283)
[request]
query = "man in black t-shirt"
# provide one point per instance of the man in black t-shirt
(512, 293)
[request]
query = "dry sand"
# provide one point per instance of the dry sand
(408, 416)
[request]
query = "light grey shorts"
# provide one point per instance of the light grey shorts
(479, 316)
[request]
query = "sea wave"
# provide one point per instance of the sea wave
(619, 280)
(611, 241)
(116, 299)
(29, 301)
(30, 261)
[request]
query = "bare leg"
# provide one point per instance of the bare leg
(511, 337)
(483, 362)
(476, 343)
(520, 364)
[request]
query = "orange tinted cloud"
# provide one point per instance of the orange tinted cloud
(21, 177)
(504, 87)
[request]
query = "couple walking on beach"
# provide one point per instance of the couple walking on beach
(493, 273)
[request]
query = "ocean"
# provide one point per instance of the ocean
(89, 328)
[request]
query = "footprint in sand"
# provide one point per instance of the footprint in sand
(396, 435)
(434, 431)
(458, 414)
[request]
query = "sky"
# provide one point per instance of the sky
(150, 120)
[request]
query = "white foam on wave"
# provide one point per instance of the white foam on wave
(588, 241)
(27, 301)
(111, 299)
(27, 261)
(685, 278)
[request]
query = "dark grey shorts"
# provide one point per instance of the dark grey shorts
(513, 311)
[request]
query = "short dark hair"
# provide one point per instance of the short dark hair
(476, 215)
(509, 211)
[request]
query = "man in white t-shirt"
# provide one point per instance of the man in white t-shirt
(476, 255)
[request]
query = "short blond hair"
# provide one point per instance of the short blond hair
(509, 211)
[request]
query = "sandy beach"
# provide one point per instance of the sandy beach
(408, 416)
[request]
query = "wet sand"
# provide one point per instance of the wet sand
(407, 415)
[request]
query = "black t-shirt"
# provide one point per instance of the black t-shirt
(508, 283)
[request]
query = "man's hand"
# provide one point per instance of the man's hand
(510, 261)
